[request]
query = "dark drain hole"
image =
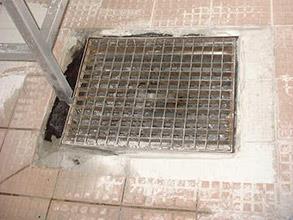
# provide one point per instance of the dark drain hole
(57, 118)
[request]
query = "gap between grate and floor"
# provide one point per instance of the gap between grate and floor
(155, 94)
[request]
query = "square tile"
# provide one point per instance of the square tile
(90, 187)
(283, 12)
(76, 211)
(240, 12)
(149, 214)
(18, 207)
(32, 181)
(33, 102)
(17, 151)
(160, 193)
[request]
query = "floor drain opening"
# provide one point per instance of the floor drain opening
(155, 94)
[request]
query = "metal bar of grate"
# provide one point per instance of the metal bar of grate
(155, 94)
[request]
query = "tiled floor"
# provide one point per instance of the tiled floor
(28, 191)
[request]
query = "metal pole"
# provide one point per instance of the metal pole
(25, 23)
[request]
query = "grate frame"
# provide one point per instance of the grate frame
(124, 108)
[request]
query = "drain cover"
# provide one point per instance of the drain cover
(155, 93)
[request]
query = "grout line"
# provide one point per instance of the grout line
(104, 204)
(53, 192)
(20, 129)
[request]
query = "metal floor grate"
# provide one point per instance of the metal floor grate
(155, 93)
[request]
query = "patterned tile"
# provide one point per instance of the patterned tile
(283, 51)
(284, 74)
(17, 151)
(31, 181)
(242, 198)
(285, 109)
(77, 211)
(32, 103)
(240, 12)
(83, 186)
(285, 169)
(149, 214)
(181, 13)
(283, 12)
(149, 192)
(110, 13)
(17, 207)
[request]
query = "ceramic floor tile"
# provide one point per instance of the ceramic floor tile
(241, 12)
(83, 186)
(76, 211)
(285, 109)
(284, 52)
(31, 181)
(249, 198)
(17, 208)
(149, 214)
(17, 151)
(283, 12)
(181, 13)
(149, 192)
(110, 13)
(285, 167)
(32, 103)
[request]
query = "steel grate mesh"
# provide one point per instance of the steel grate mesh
(155, 93)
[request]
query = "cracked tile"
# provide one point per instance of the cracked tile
(31, 181)
(17, 151)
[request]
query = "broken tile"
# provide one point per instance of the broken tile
(240, 12)
(76, 211)
(32, 181)
(149, 214)
(17, 151)
(18, 207)
(160, 193)
(32, 103)
(85, 186)
(283, 12)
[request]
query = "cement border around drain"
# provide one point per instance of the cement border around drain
(254, 157)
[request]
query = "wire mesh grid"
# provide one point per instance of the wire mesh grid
(155, 93)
